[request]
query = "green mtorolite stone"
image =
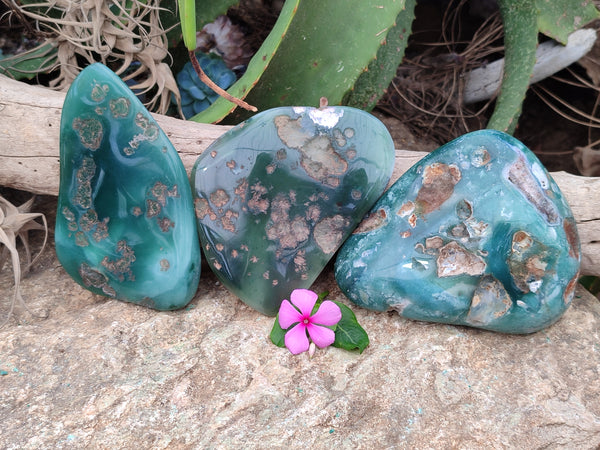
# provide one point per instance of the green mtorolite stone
(125, 226)
(476, 233)
(278, 194)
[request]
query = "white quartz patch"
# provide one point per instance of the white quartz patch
(326, 117)
(540, 174)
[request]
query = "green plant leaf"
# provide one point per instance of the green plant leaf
(520, 43)
(372, 83)
(30, 63)
(349, 335)
(256, 67)
(559, 18)
(323, 53)
(318, 50)
(187, 15)
(277, 334)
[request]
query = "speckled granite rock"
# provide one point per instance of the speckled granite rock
(100, 373)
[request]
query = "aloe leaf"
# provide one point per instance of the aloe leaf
(324, 53)
(28, 64)
(520, 43)
(371, 84)
(559, 18)
(259, 62)
(326, 47)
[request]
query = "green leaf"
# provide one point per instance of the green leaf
(372, 83)
(316, 49)
(30, 63)
(208, 10)
(559, 18)
(187, 15)
(277, 334)
(349, 335)
(322, 296)
(327, 47)
(256, 67)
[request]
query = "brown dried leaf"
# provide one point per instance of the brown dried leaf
(17, 222)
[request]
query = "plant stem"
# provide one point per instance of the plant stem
(211, 84)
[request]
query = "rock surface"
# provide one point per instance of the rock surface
(99, 373)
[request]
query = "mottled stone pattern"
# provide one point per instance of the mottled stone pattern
(125, 226)
(277, 195)
(477, 233)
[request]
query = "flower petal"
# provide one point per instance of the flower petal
(304, 299)
(288, 315)
(321, 336)
(328, 314)
(296, 340)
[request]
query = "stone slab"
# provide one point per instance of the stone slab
(100, 373)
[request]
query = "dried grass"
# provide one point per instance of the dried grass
(427, 92)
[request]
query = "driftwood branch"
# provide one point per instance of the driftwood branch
(29, 156)
(484, 82)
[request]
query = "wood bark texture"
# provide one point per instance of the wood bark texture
(29, 156)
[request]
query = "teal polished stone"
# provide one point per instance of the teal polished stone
(477, 233)
(125, 224)
(278, 194)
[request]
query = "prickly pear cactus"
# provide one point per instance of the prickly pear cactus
(522, 20)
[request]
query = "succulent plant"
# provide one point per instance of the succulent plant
(195, 95)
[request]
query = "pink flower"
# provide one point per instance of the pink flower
(299, 312)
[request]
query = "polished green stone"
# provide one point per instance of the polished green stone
(477, 233)
(278, 194)
(125, 224)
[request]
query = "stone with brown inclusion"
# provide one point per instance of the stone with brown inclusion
(125, 226)
(477, 233)
(277, 195)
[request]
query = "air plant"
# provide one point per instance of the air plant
(17, 221)
(118, 33)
